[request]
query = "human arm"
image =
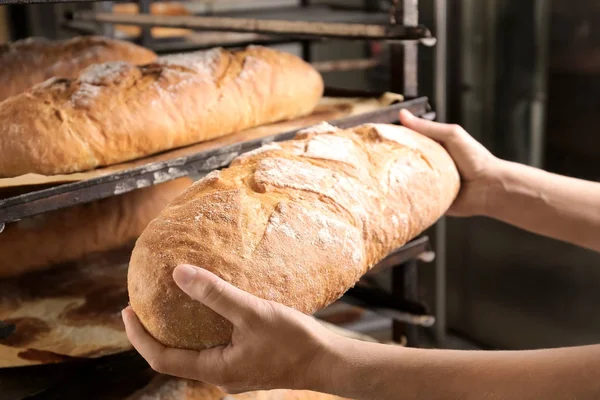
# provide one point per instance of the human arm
(559, 207)
(276, 347)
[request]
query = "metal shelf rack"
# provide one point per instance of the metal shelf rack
(403, 36)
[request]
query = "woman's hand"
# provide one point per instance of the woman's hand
(479, 169)
(272, 346)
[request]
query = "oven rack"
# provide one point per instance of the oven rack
(39, 201)
(404, 79)
(281, 27)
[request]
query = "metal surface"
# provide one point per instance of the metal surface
(295, 28)
(412, 250)
(107, 30)
(441, 83)
(404, 79)
(542, 12)
(509, 289)
(403, 55)
(146, 34)
(345, 65)
(37, 202)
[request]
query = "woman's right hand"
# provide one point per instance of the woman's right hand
(479, 170)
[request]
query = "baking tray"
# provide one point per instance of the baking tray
(118, 375)
(39, 201)
(84, 297)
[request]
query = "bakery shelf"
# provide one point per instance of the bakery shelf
(301, 24)
(66, 195)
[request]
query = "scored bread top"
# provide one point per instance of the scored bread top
(296, 222)
(116, 112)
(27, 62)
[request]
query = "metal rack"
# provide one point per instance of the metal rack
(404, 37)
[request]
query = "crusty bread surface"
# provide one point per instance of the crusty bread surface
(116, 112)
(296, 222)
(27, 62)
(65, 235)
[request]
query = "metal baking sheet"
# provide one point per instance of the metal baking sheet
(40, 201)
(85, 297)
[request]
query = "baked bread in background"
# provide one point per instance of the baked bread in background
(296, 222)
(155, 9)
(116, 112)
(65, 235)
(27, 62)
(164, 387)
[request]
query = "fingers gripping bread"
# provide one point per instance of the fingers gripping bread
(117, 112)
(27, 62)
(297, 222)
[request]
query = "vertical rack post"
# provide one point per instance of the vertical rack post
(306, 44)
(404, 55)
(107, 30)
(146, 33)
(404, 79)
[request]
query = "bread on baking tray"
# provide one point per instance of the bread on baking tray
(155, 9)
(297, 222)
(164, 387)
(65, 235)
(116, 112)
(27, 62)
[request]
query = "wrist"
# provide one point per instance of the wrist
(495, 198)
(332, 370)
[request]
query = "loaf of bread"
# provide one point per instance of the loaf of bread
(68, 234)
(296, 222)
(116, 112)
(27, 62)
(164, 387)
(155, 9)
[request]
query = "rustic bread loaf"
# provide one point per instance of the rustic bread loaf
(67, 234)
(164, 387)
(297, 222)
(27, 62)
(117, 111)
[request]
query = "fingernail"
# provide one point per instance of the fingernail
(184, 274)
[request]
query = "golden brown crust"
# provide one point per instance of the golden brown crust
(164, 387)
(30, 61)
(297, 222)
(117, 112)
(65, 235)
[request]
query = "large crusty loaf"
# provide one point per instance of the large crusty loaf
(67, 234)
(116, 112)
(298, 222)
(27, 62)
(164, 387)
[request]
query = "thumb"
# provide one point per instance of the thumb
(434, 130)
(215, 293)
